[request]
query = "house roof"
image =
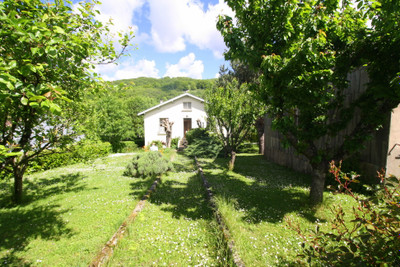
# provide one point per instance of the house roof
(170, 101)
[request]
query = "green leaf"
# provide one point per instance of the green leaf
(55, 109)
(12, 64)
(59, 30)
(34, 104)
(34, 50)
(24, 101)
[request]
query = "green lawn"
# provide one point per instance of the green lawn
(257, 199)
(69, 213)
(176, 227)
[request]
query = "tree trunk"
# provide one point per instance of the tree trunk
(168, 130)
(168, 139)
(260, 132)
(18, 176)
(231, 163)
(261, 144)
(317, 185)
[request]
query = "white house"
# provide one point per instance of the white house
(186, 111)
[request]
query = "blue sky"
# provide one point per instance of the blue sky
(175, 38)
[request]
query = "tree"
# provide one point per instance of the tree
(168, 130)
(47, 54)
(231, 110)
(305, 50)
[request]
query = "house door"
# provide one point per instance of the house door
(187, 125)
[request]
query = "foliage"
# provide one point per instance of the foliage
(372, 239)
(202, 144)
(304, 51)
(232, 111)
(79, 152)
(47, 57)
(128, 147)
(195, 134)
(164, 88)
(112, 115)
(175, 142)
(147, 164)
(159, 144)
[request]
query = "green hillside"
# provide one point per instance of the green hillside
(164, 88)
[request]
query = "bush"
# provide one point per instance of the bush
(196, 134)
(372, 236)
(248, 148)
(175, 142)
(158, 143)
(202, 144)
(79, 152)
(148, 164)
(128, 147)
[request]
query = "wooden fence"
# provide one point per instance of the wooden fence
(372, 158)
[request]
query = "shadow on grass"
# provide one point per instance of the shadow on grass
(267, 192)
(186, 200)
(139, 186)
(41, 188)
(19, 225)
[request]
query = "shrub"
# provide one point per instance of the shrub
(158, 143)
(202, 144)
(175, 142)
(371, 238)
(148, 164)
(196, 134)
(128, 146)
(79, 152)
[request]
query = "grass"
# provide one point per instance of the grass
(68, 214)
(257, 199)
(176, 228)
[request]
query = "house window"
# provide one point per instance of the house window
(161, 129)
(187, 105)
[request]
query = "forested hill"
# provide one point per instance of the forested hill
(164, 88)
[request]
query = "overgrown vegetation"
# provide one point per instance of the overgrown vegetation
(148, 164)
(371, 239)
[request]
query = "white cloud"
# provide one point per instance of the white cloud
(126, 70)
(187, 66)
(121, 13)
(177, 22)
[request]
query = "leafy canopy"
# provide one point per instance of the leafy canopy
(304, 51)
(232, 110)
(47, 56)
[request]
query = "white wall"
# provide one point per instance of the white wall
(175, 113)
